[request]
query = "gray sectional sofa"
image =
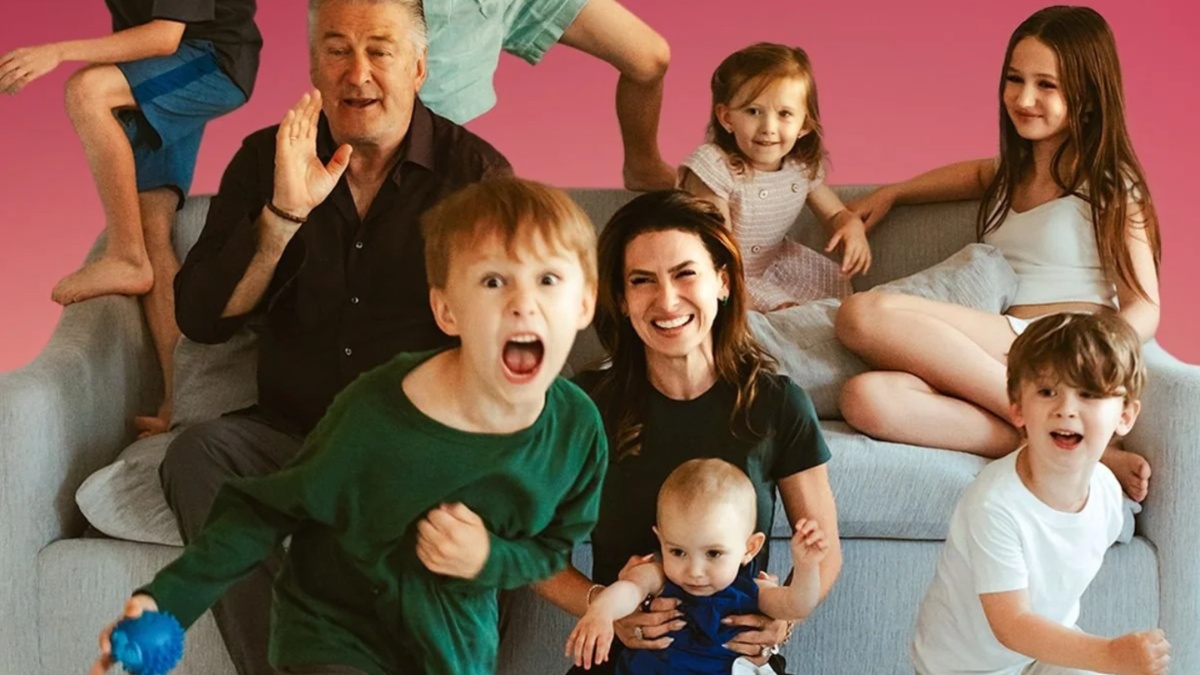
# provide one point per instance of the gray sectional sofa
(67, 415)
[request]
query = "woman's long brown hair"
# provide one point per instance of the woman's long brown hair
(1096, 161)
(739, 359)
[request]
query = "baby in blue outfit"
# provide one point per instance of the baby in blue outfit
(706, 517)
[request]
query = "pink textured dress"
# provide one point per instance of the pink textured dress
(764, 206)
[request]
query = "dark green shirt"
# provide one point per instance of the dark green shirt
(352, 591)
(677, 431)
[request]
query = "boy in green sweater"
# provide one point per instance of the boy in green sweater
(435, 479)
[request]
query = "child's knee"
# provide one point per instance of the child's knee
(90, 89)
(650, 64)
(852, 324)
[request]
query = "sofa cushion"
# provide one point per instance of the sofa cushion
(803, 340)
(125, 499)
(211, 380)
(891, 490)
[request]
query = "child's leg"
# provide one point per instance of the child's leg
(92, 95)
(956, 352)
(158, 215)
(610, 32)
(900, 407)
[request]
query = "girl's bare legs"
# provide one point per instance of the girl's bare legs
(901, 407)
(612, 33)
(158, 217)
(958, 351)
(948, 387)
(124, 268)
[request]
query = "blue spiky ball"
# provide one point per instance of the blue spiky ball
(149, 645)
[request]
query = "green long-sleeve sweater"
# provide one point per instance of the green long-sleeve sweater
(352, 590)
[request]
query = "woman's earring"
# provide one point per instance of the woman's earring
(723, 300)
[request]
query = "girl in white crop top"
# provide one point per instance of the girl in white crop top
(1082, 237)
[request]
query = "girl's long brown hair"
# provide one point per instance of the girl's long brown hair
(1096, 161)
(738, 358)
(760, 65)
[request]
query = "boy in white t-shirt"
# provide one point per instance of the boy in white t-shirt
(1031, 531)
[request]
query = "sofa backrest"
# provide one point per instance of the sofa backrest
(911, 239)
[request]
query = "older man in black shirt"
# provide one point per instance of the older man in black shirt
(315, 226)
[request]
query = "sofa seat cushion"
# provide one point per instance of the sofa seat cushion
(891, 490)
(82, 586)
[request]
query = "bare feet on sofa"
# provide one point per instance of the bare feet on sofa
(1131, 469)
(152, 425)
(643, 175)
(105, 276)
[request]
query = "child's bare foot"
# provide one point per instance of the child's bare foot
(643, 176)
(106, 276)
(152, 425)
(1131, 469)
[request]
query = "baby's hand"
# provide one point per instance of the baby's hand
(591, 639)
(852, 235)
(808, 543)
(452, 540)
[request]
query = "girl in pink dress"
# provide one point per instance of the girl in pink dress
(762, 164)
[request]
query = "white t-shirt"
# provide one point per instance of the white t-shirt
(1003, 538)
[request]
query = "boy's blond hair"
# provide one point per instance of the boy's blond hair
(523, 213)
(703, 483)
(1099, 353)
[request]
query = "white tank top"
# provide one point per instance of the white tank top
(1052, 248)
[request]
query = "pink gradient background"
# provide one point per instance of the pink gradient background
(904, 86)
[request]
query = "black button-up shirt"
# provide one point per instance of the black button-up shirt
(348, 293)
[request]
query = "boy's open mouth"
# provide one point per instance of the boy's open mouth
(523, 357)
(1066, 440)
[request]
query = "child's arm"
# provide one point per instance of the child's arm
(1021, 630)
(593, 634)
(1140, 311)
(690, 182)
(801, 596)
(964, 180)
(453, 541)
(848, 229)
(250, 518)
(134, 607)
(156, 38)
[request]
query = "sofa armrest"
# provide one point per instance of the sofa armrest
(63, 416)
(1168, 434)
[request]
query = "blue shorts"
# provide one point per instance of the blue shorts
(465, 41)
(176, 96)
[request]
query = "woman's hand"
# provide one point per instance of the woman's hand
(762, 639)
(648, 629)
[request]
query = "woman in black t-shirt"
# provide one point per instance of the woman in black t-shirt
(688, 380)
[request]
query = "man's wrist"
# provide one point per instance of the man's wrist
(288, 213)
